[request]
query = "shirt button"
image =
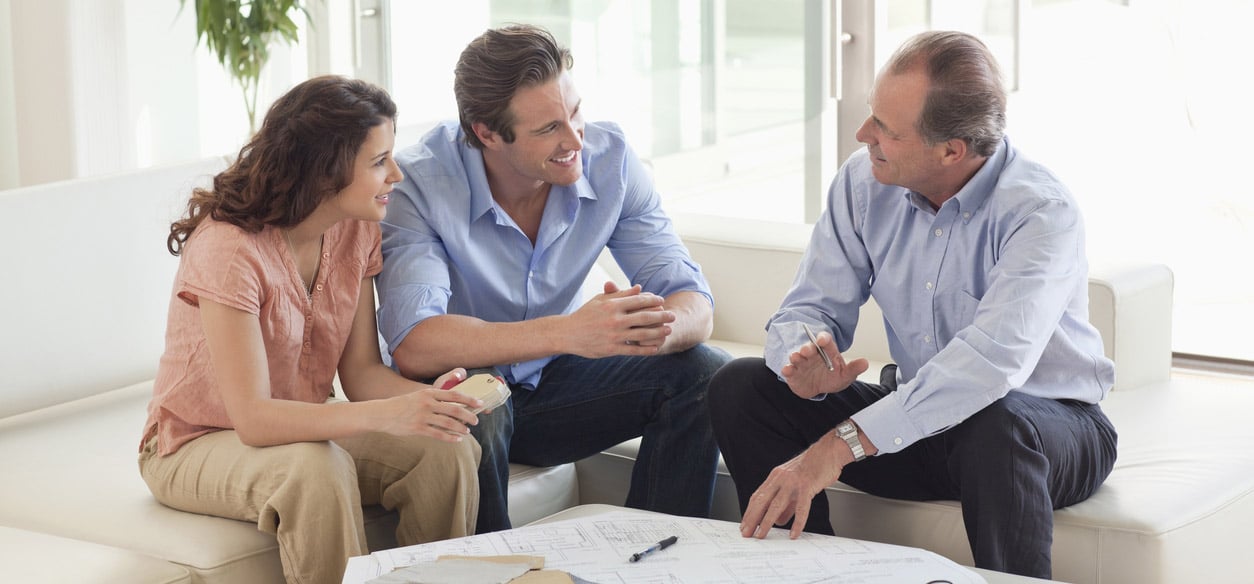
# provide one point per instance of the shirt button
(966, 215)
(308, 344)
(897, 440)
(318, 287)
(928, 285)
(927, 339)
(938, 232)
(326, 254)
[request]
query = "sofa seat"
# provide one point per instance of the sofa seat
(73, 467)
(35, 558)
(1167, 513)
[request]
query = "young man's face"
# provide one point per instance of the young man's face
(899, 155)
(548, 134)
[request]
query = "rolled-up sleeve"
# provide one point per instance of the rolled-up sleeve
(414, 283)
(644, 242)
(832, 282)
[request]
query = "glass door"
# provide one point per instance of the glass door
(731, 102)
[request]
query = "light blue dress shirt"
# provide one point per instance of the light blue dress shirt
(987, 295)
(448, 248)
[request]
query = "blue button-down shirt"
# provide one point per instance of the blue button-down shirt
(987, 295)
(448, 248)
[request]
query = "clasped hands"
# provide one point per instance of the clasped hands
(787, 491)
(620, 322)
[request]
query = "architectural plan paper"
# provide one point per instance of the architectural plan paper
(596, 548)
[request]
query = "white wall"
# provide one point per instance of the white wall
(99, 81)
(41, 85)
(91, 87)
(163, 105)
(8, 109)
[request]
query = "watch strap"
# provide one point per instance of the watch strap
(849, 433)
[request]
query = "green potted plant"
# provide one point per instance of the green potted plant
(239, 33)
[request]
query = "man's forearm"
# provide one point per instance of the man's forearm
(441, 343)
(694, 321)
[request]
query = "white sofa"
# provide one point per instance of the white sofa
(83, 307)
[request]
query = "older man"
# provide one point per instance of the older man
(975, 254)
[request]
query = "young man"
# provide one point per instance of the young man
(486, 244)
(975, 255)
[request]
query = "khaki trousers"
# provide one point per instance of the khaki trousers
(309, 494)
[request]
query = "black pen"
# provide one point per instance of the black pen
(661, 545)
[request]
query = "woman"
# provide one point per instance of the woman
(274, 295)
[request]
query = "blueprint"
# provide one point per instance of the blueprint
(596, 548)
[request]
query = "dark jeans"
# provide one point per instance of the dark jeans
(584, 406)
(1010, 465)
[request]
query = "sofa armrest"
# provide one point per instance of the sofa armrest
(750, 265)
(1131, 305)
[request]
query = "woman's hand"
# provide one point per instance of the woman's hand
(429, 411)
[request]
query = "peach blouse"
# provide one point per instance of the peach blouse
(304, 336)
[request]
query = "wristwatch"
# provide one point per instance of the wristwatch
(849, 433)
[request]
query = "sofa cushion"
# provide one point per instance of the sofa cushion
(32, 558)
(1176, 508)
(73, 469)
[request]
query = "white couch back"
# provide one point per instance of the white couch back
(751, 264)
(87, 283)
(88, 278)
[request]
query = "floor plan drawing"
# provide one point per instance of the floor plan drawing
(597, 548)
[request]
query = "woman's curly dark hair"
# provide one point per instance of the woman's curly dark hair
(303, 155)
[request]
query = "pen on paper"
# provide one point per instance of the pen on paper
(815, 341)
(661, 545)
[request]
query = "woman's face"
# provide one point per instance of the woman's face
(374, 173)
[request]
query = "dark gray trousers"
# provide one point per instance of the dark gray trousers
(1010, 465)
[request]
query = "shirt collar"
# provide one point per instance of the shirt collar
(477, 179)
(481, 200)
(973, 194)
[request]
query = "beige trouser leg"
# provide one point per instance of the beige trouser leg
(304, 493)
(433, 485)
(307, 493)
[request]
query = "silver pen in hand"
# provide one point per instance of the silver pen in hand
(815, 341)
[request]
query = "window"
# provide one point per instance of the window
(711, 94)
(1137, 106)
